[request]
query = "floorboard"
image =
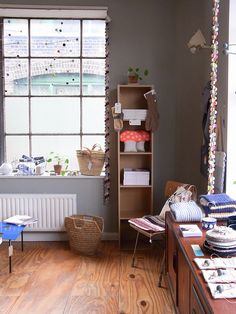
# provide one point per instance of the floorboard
(48, 278)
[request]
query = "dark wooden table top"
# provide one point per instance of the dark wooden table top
(218, 306)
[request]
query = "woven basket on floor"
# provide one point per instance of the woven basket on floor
(84, 233)
(91, 161)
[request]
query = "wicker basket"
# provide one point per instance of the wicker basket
(91, 161)
(84, 233)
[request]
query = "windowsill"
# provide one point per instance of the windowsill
(47, 176)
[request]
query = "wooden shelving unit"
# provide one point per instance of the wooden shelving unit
(133, 200)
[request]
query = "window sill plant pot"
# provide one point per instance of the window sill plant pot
(60, 163)
(57, 169)
(134, 75)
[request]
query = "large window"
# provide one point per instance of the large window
(231, 125)
(53, 86)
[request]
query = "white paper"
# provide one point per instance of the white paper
(20, 220)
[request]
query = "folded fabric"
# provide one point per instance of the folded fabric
(156, 220)
(217, 203)
(182, 194)
(221, 216)
(145, 224)
(186, 211)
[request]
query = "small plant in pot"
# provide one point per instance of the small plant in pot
(135, 75)
(60, 163)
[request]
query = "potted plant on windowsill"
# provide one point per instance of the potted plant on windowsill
(134, 75)
(60, 163)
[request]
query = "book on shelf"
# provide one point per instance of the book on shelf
(21, 220)
(190, 230)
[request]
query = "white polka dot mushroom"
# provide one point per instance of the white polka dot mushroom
(130, 138)
(144, 137)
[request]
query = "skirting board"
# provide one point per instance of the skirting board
(61, 236)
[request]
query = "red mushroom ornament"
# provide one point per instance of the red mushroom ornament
(145, 137)
(130, 138)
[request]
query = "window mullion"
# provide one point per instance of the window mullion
(2, 127)
(29, 87)
(81, 83)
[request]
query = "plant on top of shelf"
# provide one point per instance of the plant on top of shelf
(135, 75)
(59, 162)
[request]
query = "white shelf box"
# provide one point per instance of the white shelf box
(134, 114)
(136, 177)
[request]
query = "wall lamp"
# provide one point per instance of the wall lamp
(197, 42)
(226, 50)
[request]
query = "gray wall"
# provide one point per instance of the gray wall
(193, 72)
(151, 34)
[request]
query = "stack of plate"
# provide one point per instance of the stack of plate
(221, 240)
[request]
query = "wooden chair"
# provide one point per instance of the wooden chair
(170, 188)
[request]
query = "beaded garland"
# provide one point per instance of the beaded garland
(107, 123)
(213, 100)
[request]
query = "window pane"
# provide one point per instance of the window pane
(55, 38)
(55, 115)
(16, 146)
(93, 115)
(55, 77)
(16, 115)
(94, 38)
(89, 140)
(16, 77)
(63, 145)
(93, 77)
(15, 38)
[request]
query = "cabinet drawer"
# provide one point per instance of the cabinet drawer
(171, 262)
(183, 284)
(197, 305)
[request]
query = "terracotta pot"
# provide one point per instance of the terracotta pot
(57, 169)
(132, 79)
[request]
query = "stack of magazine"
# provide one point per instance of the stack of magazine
(190, 230)
(21, 220)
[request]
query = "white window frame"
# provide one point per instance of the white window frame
(231, 110)
(48, 12)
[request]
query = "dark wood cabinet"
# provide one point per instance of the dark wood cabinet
(196, 304)
(189, 291)
(183, 281)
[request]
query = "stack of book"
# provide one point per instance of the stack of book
(190, 230)
(21, 220)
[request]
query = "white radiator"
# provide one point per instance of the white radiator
(49, 209)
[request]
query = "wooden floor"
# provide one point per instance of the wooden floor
(48, 278)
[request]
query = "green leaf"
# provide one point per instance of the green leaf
(130, 69)
(140, 78)
(67, 161)
(49, 160)
(137, 70)
(146, 72)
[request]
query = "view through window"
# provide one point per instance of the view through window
(53, 86)
(231, 108)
